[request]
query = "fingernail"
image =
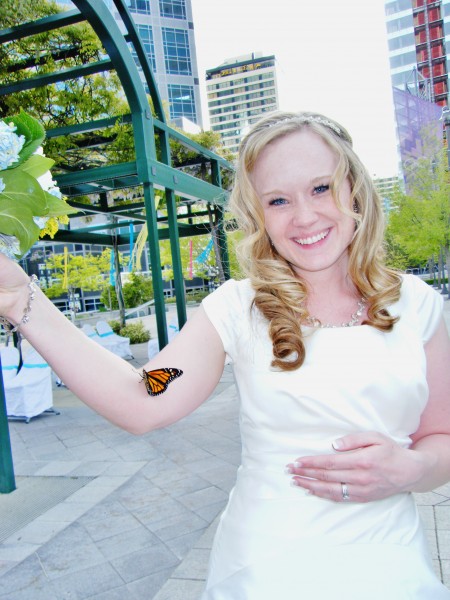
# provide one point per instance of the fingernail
(289, 470)
(337, 444)
(298, 464)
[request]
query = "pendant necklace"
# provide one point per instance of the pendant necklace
(315, 322)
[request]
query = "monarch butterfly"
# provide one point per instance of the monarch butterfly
(158, 380)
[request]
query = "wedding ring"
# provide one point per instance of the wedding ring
(345, 494)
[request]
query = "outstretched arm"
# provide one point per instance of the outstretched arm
(372, 465)
(105, 382)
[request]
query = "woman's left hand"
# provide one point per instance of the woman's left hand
(366, 466)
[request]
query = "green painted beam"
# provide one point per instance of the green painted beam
(63, 19)
(7, 480)
(43, 80)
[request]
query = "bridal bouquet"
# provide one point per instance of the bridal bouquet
(31, 204)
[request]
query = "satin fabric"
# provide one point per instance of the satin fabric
(273, 540)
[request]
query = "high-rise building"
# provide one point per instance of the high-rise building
(419, 46)
(239, 91)
(167, 31)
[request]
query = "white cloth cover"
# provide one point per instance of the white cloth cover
(116, 343)
(29, 393)
(10, 358)
(273, 540)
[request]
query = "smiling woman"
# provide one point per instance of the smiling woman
(337, 427)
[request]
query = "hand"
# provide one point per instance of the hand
(13, 287)
(371, 465)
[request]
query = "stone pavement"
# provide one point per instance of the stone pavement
(138, 521)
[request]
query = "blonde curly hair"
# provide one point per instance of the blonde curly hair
(280, 294)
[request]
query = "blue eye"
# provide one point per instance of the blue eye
(321, 189)
(277, 202)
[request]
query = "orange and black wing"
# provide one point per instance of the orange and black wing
(157, 381)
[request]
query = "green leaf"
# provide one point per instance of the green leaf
(23, 191)
(58, 207)
(37, 165)
(18, 221)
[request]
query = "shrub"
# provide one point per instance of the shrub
(136, 332)
(115, 326)
(196, 296)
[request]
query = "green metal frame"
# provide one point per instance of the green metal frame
(146, 171)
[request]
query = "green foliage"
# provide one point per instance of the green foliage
(136, 291)
(88, 272)
(135, 331)
(419, 224)
(196, 296)
(64, 103)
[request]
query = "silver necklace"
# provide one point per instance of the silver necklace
(315, 322)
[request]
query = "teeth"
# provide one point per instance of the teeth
(312, 240)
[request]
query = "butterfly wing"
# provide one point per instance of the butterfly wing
(157, 381)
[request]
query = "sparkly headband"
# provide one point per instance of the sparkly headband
(306, 119)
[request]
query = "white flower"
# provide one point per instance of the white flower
(10, 145)
(2, 185)
(40, 221)
(9, 245)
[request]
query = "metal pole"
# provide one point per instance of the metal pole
(7, 480)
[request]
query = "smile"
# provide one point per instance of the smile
(312, 240)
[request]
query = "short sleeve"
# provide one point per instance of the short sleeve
(426, 303)
(228, 308)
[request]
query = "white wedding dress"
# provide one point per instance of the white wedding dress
(274, 542)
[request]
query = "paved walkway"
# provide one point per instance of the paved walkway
(104, 515)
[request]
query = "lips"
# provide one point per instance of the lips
(313, 239)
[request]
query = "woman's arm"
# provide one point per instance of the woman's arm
(372, 465)
(105, 382)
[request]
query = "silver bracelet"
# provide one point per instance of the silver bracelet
(7, 326)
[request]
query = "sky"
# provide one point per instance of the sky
(331, 57)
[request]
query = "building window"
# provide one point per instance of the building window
(139, 6)
(176, 51)
(146, 33)
(174, 9)
(181, 102)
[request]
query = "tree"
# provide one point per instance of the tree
(88, 272)
(64, 103)
(419, 224)
(136, 291)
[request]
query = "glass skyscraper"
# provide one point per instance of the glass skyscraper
(419, 46)
(167, 31)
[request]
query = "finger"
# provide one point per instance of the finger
(363, 439)
(331, 491)
(333, 476)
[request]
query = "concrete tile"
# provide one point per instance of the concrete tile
(432, 543)
(204, 497)
(445, 566)
(127, 542)
(30, 574)
(70, 551)
(183, 544)
(207, 538)
(87, 582)
(17, 551)
(442, 516)
(58, 468)
(144, 562)
(177, 525)
(181, 590)
(100, 530)
(429, 498)
(67, 511)
(427, 516)
(37, 532)
(148, 587)
(443, 540)
(194, 566)
(159, 511)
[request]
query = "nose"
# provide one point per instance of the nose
(304, 213)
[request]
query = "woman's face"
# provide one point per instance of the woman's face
(292, 178)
